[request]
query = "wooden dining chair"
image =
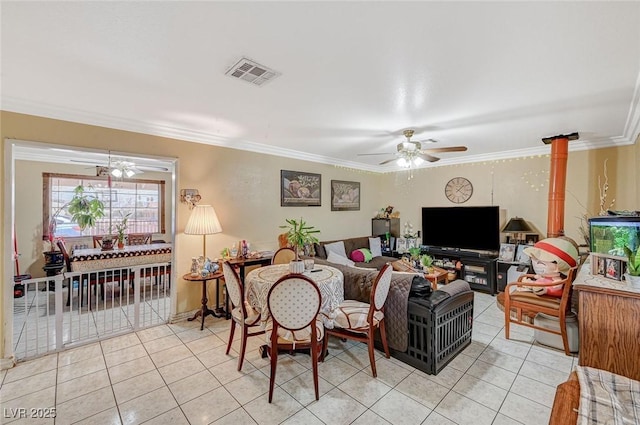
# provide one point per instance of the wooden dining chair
(283, 256)
(293, 303)
(520, 305)
(241, 314)
(358, 321)
(97, 241)
(138, 238)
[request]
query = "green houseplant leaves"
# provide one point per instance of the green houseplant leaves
(84, 208)
(299, 234)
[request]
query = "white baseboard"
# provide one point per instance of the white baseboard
(179, 317)
(7, 363)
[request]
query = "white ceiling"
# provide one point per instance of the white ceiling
(496, 77)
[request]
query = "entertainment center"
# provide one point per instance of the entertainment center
(464, 241)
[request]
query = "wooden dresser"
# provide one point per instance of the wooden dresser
(609, 317)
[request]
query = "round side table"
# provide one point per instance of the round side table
(205, 310)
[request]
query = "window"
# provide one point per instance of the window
(144, 199)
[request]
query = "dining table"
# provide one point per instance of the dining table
(92, 259)
(329, 279)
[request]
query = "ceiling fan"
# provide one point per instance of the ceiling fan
(120, 167)
(410, 153)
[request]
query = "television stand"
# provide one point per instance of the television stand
(478, 269)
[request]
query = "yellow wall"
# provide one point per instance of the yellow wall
(244, 189)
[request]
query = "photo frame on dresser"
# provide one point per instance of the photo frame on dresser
(607, 266)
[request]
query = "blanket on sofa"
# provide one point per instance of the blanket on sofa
(607, 398)
(358, 283)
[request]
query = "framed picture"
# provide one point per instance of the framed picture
(521, 257)
(507, 252)
(345, 196)
(299, 189)
(531, 238)
(413, 243)
(613, 268)
(401, 247)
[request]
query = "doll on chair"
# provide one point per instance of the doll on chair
(551, 259)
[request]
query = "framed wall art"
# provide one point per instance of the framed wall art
(345, 196)
(299, 189)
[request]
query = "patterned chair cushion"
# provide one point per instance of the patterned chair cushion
(286, 336)
(352, 315)
(253, 316)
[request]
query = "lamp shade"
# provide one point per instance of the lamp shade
(203, 221)
(517, 225)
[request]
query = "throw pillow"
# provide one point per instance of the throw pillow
(336, 247)
(362, 255)
(339, 259)
(357, 256)
(375, 246)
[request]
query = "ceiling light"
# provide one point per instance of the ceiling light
(417, 161)
(124, 168)
(402, 162)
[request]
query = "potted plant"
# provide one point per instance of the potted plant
(427, 262)
(633, 266)
(414, 255)
(84, 209)
(121, 228)
(299, 234)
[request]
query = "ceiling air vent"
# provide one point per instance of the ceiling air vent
(252, 72)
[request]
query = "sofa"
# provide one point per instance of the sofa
(425, 330)
(359, 279)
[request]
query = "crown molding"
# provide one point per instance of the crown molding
(11, 104)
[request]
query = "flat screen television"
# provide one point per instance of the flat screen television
(474, 228)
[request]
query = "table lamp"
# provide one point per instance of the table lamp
(203, 221)
(517, 226)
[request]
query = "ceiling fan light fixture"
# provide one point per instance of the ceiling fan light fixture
(417, 161)
(116, 172)
(402, 162)
(129, 173)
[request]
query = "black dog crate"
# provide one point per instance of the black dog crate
(437, 333)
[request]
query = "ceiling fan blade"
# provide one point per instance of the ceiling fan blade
(449, 149)
(428, 157)
(379, 153)
(387, 161)
(138, 167)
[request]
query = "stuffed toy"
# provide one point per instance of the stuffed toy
(551, 259)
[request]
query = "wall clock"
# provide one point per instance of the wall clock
(458, 190)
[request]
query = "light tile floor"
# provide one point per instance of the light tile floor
(176, 374)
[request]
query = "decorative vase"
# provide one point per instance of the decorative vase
(296, 267)
(632, 280)
(53, 257)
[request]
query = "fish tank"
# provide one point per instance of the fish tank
(610, 234)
